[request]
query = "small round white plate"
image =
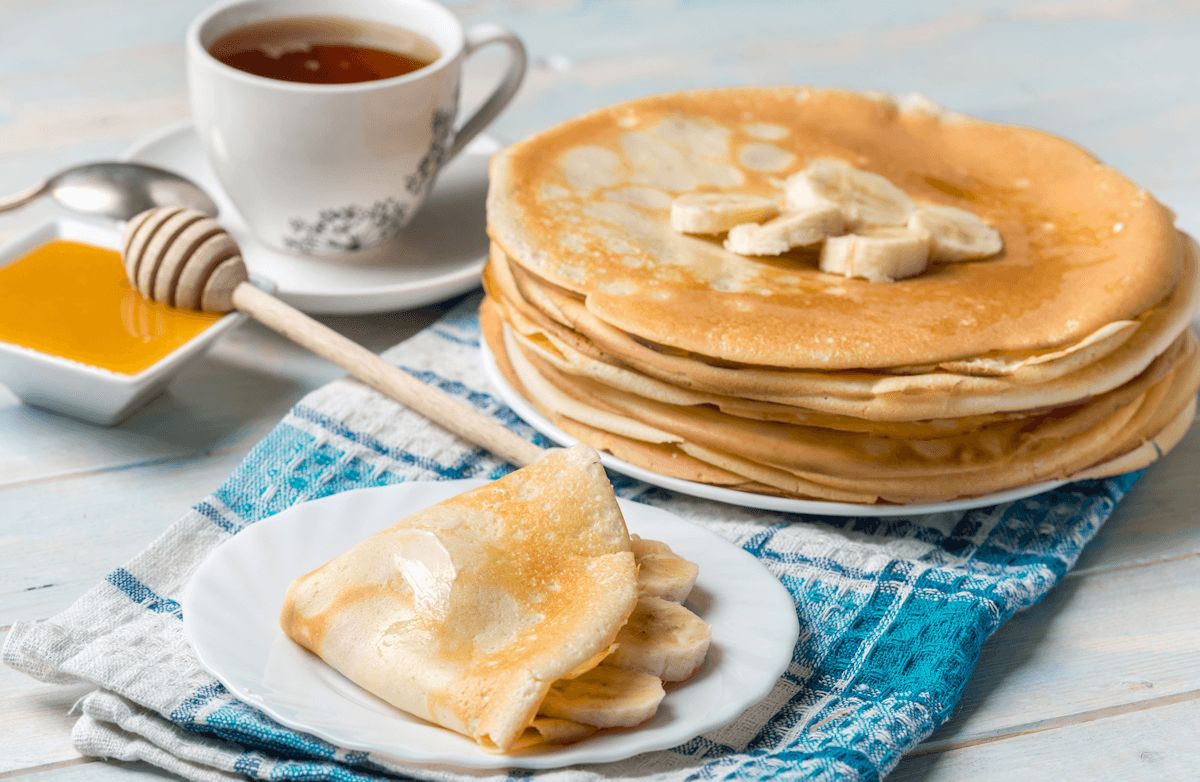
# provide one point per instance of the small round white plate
(231, 618)
(439, 254)
(530, 414)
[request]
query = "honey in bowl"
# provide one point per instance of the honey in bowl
(72, 300)
(324, 50)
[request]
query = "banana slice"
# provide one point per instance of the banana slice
(955, 234)
(716, 213)
(662, 572)
(877, 254)
(798, 228)
(605, 697)
(548, 730)
(865, 199)
(662, 638)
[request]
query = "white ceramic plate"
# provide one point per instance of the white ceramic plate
(529, 413)
(439, 255)
(231, 618)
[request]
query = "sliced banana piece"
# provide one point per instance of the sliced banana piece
(548, 730)
(955, 234)
(662, 572)
(877, 254)
(865, 199)
(605, 697)
(802, 227)
(716, 213)
(662, 638)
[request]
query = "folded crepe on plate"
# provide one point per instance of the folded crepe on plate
(517, 613)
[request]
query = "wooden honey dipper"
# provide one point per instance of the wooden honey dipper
(183, 258)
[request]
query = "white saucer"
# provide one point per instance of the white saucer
(231, 618)
(530, 414)
(439, 255)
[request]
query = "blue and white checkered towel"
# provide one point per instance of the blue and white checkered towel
(893, 612)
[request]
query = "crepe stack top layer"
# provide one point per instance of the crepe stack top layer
(517, 613)
(1067, 351)
(584, 206)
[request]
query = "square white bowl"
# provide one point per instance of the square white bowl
(81, 390)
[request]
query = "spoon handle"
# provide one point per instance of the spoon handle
(20, 199)
(451, 413)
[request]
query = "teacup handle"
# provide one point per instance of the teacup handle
(479, 36)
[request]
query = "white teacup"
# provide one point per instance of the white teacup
(328, 169)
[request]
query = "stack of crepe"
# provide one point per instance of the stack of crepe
(520, 613)
(1066, 355)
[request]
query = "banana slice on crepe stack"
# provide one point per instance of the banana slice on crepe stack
(876, 301)
(519, 613)
(866, 227)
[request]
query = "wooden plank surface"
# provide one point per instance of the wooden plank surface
(1098, 682)
(93, 771)
(36, 726)
(1153, 743)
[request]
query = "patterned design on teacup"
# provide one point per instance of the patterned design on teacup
(432, 161)
(354, 227)
(348, 228)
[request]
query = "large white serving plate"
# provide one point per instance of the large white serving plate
(438, 255)
(231, 617)
(530, 414)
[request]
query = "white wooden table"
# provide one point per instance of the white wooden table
(1102, 681)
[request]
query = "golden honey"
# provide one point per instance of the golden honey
(72, 300)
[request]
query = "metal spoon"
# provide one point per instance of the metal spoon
(116, 190)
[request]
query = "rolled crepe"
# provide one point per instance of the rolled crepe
(465, 613)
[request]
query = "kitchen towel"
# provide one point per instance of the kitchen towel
(893, 612)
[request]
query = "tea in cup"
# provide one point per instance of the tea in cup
(327, 121)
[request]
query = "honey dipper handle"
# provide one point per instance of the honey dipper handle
(452, 414)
